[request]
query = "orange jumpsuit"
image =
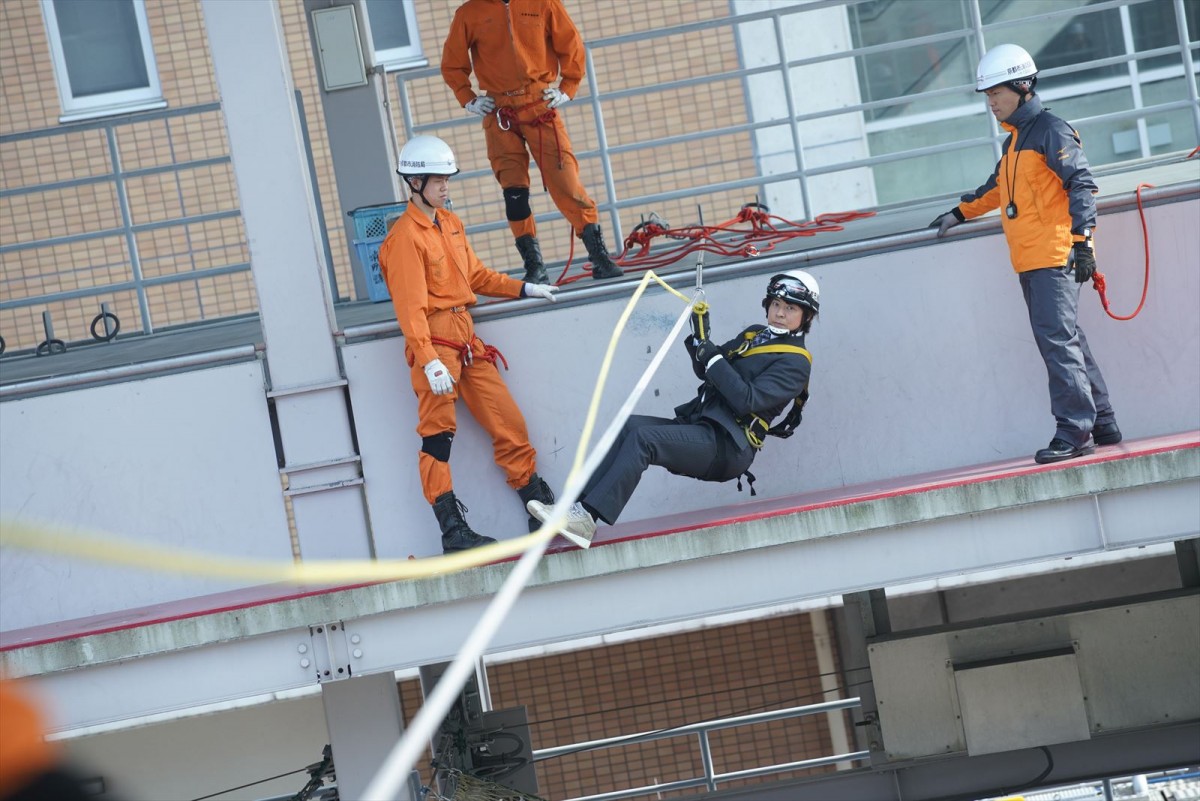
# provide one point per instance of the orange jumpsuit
(24, 752)
(433, 275)
(516, 50)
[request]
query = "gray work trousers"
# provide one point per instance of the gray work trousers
(686, 449)
(1078, 395)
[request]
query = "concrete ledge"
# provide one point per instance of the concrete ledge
(782, 529)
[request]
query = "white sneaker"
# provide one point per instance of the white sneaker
(579, 527)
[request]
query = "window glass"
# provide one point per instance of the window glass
(916, 68)
(101, 45)
(389, 26)
(102, 57)
(394, 36)
(1066, 42)
(1154, 26)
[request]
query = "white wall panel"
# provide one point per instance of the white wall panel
(184, 460)
(923, 360)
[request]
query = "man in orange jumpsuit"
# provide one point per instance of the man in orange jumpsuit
(518, 49)
(433, 275)
(31, 769)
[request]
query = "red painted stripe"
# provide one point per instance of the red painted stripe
(249, 597)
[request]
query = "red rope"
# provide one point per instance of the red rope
(752, 232)
(490, 352)
(509, 118)
(1098, 279)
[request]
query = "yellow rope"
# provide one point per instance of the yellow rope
(102, 547)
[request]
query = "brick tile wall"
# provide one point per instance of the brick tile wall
(187, 78)
(653, 684)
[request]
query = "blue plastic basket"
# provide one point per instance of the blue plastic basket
(371, 224)
(368, 257)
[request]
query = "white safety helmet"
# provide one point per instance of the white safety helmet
(426, 155)
(794, 286)
(1008, 65)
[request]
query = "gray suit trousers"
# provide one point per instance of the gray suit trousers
(1078, 394)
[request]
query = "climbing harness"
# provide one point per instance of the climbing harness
(466, 353)
(509, 119)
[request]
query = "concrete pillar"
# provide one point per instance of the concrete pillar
(360, 134)
(864, 617)
(365, 721)
(253, 72)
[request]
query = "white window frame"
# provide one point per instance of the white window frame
(394, 59)
(111, 103)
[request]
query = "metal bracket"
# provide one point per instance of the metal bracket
(330, 652)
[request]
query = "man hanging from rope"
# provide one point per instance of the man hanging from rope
(518, 49)
(714, 437)
(1048, 213)
(433, 275)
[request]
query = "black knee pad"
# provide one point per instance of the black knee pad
(438, 445)
(516, 203)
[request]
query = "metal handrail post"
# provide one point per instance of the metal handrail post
(1189, 68)
(786, 72)
(405, 109)
(135, 263)
(707, 761)
(610, 186)
(1135, 82)
(977, 24)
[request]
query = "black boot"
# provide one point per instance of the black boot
(536, 490)
(531, 253)
(456, 534)
(1059, 450)
(602, 264)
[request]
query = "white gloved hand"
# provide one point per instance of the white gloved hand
(554, 97)
(544, 291)
(440, 380)
(481, 106)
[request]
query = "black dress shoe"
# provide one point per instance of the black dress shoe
(1106, 434)
(1060, 449)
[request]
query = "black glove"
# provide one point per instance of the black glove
(1084, 260)
(944, 222)
(700, 324)
(705, 351)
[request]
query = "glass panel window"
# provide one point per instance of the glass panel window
(394, 36)
(916, 68)
(1154, 26)
(103, 58)
(1064, 42)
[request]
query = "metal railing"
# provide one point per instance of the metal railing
(128, 231)
(701, 731)
(971, 37)
(786, 115)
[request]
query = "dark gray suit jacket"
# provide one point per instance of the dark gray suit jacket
(736, 387)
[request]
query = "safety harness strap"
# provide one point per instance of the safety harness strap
(758, 428)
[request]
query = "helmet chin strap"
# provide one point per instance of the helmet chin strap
(421, 192)
(778, 331)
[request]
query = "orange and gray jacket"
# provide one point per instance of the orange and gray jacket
(1045, 174)
(431, 268)
(513, 46)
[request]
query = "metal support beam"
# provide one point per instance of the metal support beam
(1008, 773)
(1187, 554)
(365, 720)
(864, 614)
